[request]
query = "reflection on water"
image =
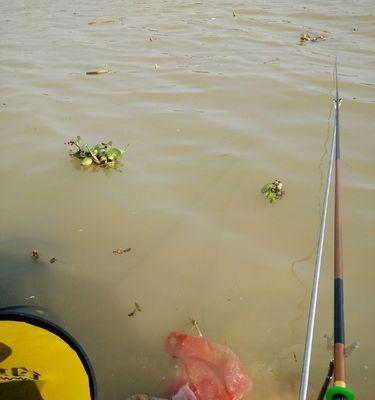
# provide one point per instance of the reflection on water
(233, 103)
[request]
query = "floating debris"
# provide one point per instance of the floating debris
(234, 14)
(153, 38)
(102, 154)
(348, 349)
(104, 21)
(196, 326)
(34, 255)
(53, 260)
(29, 298)
(355, 29)
(121, 251)
(305, 37)
(100, 72)
(272, 60)
(137, 308)
(273, 191)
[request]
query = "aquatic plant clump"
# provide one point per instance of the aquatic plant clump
(273, 191)
(102, 154)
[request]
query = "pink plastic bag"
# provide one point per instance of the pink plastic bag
(211, 371)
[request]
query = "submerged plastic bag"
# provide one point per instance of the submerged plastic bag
(209, 371)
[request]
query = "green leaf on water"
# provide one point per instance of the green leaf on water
(86, 161)
(101, 152)
(137, 308)
(117, 152)
(75, 153)
(113, 153)
(110, 155)
(265, 188)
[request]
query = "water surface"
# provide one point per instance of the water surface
(214, 106)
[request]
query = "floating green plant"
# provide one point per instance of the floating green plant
(137, 308)
(102, 154)
(273, 191)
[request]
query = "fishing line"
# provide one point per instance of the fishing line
(301, 307)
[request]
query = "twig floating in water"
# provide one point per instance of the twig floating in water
(121, 251)
(196, 326)
(99, 72)
(104, 21)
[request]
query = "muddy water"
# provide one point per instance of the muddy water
(213, 105)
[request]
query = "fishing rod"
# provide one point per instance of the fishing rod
(315, 287)
(338, 391)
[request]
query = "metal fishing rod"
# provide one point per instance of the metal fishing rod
(338, 391)
(317, 267)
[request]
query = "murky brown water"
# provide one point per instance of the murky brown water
(213, 107)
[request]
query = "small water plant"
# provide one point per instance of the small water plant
(137, 308)
(102, 154)
(273, 191)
